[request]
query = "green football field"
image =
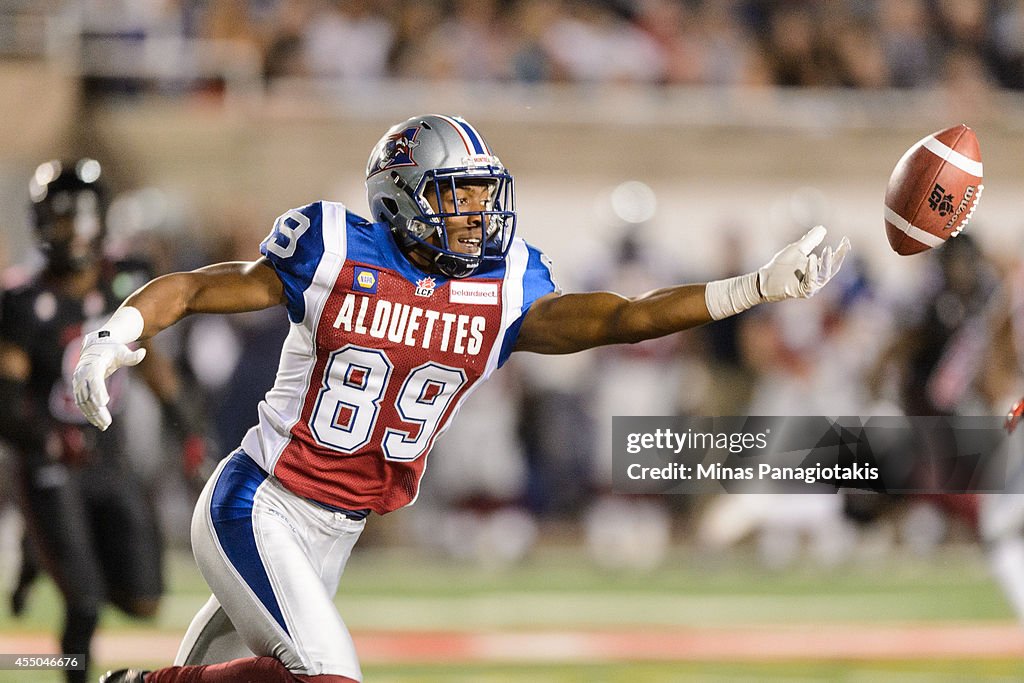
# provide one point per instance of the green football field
(557, 618)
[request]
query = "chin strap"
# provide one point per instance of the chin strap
(455, 266)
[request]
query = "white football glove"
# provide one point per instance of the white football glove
(797, 272)
(101, 356)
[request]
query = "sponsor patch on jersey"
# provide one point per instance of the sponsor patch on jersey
(425, 286)
(482, 293)
(365, 280)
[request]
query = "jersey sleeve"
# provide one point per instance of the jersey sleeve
(538, 280)
(294, 248)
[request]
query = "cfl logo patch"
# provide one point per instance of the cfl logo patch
(425, 286)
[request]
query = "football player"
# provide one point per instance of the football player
(394, 322)
(87, 519)
(1002, 520)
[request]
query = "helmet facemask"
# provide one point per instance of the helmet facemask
(489, 230)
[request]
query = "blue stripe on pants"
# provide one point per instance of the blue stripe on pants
(231, 511)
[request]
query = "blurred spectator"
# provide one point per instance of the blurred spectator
(675, 28)
(733, 56)
(1008, 44)
(471, 44)
(530, 62)
(968, 88)
(853, 52)
(285, 56)
(907, 42)
(349, 39)
(593, 44)
(846, 43)
(229, 20)
(790, 48)
(962, 24)
(116, 44)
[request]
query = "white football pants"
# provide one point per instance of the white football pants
(273, 561)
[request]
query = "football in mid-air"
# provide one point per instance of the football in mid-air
(933, 191)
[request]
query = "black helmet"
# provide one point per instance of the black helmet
(68, 190)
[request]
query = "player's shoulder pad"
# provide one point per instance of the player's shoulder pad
(357, 222)
(361, 236)
(537, 281)
(295, 247)
(296, 233)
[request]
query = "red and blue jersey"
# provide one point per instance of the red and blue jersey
(379, 356)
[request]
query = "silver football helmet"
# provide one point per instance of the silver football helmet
(434, 154)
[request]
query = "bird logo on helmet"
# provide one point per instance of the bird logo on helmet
(449, 152)
(397, 150)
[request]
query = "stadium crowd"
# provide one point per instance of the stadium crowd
(834, 43)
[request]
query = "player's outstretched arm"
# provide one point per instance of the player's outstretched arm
(568, 323)
(233, 287)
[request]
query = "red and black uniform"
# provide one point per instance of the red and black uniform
(89, 522)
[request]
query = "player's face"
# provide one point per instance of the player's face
(469, 198)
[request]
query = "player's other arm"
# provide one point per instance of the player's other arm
(568, 323)
(233, 287)
(15, 371)
(16, 428)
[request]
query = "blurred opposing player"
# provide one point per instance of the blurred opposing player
(88, 523)
(1001, 515)
(1002, 519)
(980, 370)
(393, 324)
